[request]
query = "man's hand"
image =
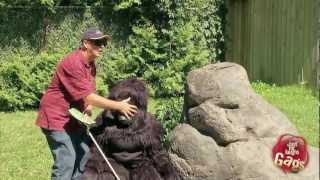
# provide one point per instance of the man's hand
(127, 109)
(88, 110)
(124, 107)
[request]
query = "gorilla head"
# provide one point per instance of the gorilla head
(135, 90)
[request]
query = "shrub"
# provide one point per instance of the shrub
(163, 63)
(168, 112)
(23, 80)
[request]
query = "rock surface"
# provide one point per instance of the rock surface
(229, 130)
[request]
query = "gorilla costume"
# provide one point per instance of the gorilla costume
(133, 147)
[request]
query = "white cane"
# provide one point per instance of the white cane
(88, 121)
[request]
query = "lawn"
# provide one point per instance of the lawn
(299, 104)
(24, 153)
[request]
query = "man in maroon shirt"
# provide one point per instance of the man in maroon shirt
(73, 85)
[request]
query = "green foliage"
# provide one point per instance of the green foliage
(47, 4)
(20, 30)
(14, 3)
(163, 63)
(207, 16)
(168, 112)
(102, 88)
(26, 67)
(125, 4)
(158, 41)
(64, 34)
(23, 80)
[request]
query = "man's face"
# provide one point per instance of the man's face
(94, 47)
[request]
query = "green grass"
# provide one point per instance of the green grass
(24, 153)
(299, 104)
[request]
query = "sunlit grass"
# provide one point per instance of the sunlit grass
(24, 151)
(300, 105)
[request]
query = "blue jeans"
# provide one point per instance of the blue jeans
(70, 153)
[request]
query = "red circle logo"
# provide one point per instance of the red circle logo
(290, 153)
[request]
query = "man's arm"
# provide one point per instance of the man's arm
(123, 106)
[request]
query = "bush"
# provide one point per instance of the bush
(168, 112)
(23, 80)
(208, 18)
(161, 59)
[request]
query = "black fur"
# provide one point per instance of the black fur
(135, 151)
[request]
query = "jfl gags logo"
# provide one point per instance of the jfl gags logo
(290, 153)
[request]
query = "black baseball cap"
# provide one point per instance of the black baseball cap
(93, 33)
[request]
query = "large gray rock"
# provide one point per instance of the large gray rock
(196, 156)
(230, 130)
(221, 103)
